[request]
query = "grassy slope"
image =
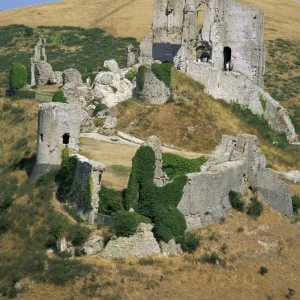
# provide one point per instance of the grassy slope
(196, 123)
(120, 17)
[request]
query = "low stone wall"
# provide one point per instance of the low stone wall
(234, 86)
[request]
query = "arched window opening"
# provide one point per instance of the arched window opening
(41, 137)
(66, 138)
(227, 59)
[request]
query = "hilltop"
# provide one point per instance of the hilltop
(120, 17)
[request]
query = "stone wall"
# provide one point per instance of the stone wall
(236, 165)
(58, 128)
(234, 86)
(88, 176)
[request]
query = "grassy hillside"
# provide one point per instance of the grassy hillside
(67, 47)
(196, 122)
(134, 17)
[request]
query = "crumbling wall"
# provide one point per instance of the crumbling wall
(86, 186)
(58, 128)
(234, 86)
(235, 165)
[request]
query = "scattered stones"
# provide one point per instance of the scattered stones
(23, 285)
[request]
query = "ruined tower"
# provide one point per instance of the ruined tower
(235, 34)
(58, 128)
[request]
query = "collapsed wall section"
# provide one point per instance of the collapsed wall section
(86, 187)
(237, 164)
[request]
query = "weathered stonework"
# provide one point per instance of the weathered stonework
(131, 57)
(151, 89)
(40, 69)
(86, 186)
(58, 128)
(245, 92)
(139, 245)
(235, 165)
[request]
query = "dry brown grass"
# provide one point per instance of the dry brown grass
(196, 123)
(134, 17)
(117, 159)
(269, 241)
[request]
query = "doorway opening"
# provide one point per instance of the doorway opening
(66, 138)
(227, 59)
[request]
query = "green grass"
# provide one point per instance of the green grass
(67, 47)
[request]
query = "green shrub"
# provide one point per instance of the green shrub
(66, 173)
(6, 107)
(210, 258)
(59, 97)
(256, 208)
(77, 234)
(162, 72)
(175, 165)
(141, 77)
(4, 222)
(236, 201)
(146, 261)
(131, 74)
(157, 203)
(29, 31)
(20, 144)
(62, 271)
(87, 193)
(110, 201)
(98, 108)
(17, 76)
(126, 223)
(263, 270)
(169, 223)
(190, 242)
(296, 203)
(263, 101)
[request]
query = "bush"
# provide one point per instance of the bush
(110, 201)
(4, 222)
(131, 74)
(190, 242)
(77, 234)
(126, 223)
(157, 203)
(17, 76)
(59, 97)
(20, 144)
(162, 72)
(98, 108)
(212, 258)
(236, 201)
(175, 165)
(263, 270)
(62, 271)
(29, 31)
(256, 208)
(296, 203)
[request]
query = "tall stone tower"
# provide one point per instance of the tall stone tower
(235, 34)
(58, 128)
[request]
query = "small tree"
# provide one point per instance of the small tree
(18, 76)
(29, 31)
